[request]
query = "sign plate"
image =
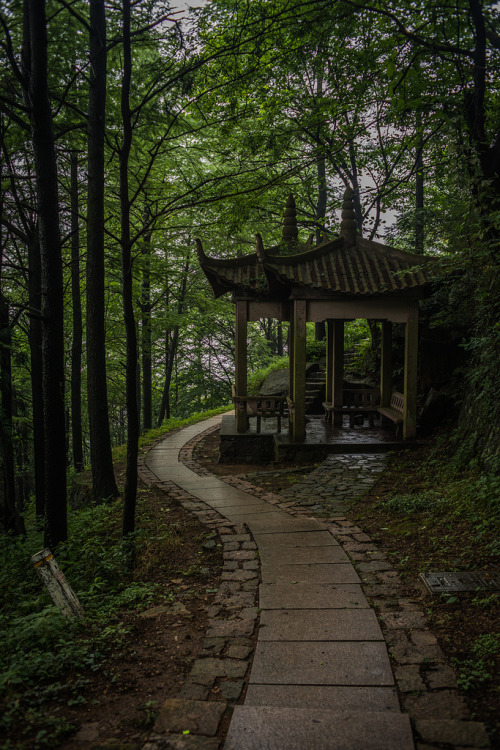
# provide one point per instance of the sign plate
(444, 582)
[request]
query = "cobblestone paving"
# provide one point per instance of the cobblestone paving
(337, 483)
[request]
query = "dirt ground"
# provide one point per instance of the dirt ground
(150, 661)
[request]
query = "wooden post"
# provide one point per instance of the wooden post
(299, 369)
(386, 364)
(240, 374)
(338, 370)
(56, 584)
(410, 375)
(291, 369)
(329, 362)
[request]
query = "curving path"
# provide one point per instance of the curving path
(321, 676)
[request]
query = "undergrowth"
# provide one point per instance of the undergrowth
(43, 655)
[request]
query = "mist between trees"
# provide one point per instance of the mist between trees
(126, 133)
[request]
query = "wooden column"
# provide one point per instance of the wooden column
(329, 361)
(410, 375)
(299, 369)
(240, 374)
(338, 369)
(386, 364)
(291, 369)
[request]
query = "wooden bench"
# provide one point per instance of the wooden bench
(394, 411)
(356, 401)
(259, 406)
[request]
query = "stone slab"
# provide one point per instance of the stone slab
(309, 573)
(319, 625)
(312, 663)
(312, 538)
(271, 523)
(225, 492)
(311, 596)
(230, 504)
(287, 555)
(197, 717)
(333, 697)
(259, 727)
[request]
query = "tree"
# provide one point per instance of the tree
(97, 393)
(37, 93)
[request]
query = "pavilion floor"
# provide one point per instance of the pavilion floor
(321, 440)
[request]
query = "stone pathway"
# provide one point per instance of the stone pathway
(321, 675)
(338, 482)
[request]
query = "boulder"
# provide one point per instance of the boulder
(435, 409)
(276, 383)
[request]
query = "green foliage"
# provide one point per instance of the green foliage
(474, 671)
(413, 502)
(256, 378)
(174, 423)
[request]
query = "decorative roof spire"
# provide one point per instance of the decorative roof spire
(348, 223)
(290, 231)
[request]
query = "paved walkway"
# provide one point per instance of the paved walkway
(321, 676)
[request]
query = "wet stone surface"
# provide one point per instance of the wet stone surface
(337, 483)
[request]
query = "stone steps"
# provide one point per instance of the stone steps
(280, 727)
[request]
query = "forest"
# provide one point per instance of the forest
(130, 129)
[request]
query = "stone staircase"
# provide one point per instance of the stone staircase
(315, 391)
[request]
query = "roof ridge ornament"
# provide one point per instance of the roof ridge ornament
(290, 232)
(261, 253)
(348, 223)
(200, 252)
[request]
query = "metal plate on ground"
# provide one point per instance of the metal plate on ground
(444, 582)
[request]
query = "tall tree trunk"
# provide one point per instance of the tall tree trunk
(103, 477)
(35, 343)
(76, 344)
(130, 492)
(419, 193)
(146, 343)
(319, 327)
(52, 277)
(171, 349)
(279, 339)
(11, 519)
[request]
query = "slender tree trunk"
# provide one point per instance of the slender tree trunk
(76, 344)
(35, 343)
(11, 518)
(419, 194)
(171, 349)
(279, 341)
(130, 493)
(171, 343)
(100, 439)
(52, 277)
(146, 342)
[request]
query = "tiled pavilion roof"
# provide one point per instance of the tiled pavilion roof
(347, 265)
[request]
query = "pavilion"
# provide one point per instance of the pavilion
(342, 279)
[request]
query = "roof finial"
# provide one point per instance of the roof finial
(348, 223)
(290, 230)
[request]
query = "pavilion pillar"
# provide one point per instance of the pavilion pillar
(338, 370)
(386, 364)
(410, 373)
(240, 375)
(329, 361)
(299, 369)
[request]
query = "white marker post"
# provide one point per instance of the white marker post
(56, 584)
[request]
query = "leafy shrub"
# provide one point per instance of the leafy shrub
(408, 503)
